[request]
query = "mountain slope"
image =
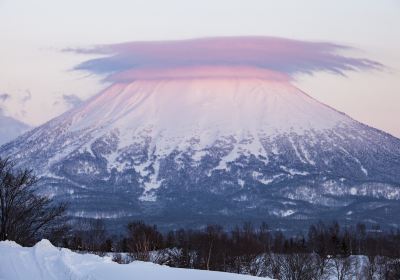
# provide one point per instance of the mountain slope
(10, 128)
(190, 151)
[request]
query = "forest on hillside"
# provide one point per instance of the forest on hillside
(327, 250)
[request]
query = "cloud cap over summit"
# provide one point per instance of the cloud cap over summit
(285, 56)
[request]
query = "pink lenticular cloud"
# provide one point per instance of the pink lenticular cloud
(198, 72)
(135, 59)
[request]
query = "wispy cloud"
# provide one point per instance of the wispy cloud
(4, 97)
(27, 96)
(129, 61)
(67, 101)
(72, 100)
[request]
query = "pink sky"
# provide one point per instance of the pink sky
(32, 65)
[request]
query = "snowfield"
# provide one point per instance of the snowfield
(44, 261)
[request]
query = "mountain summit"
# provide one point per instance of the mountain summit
(192, 146)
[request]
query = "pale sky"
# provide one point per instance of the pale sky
(37, 75)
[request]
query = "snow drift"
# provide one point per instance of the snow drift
(46, 262)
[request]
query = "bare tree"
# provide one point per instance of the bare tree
(97, 236)
(142, 240)
(273, 265)
(25, 216)
(318, 243)
(298, 266)
(257, 266)
(343, 267)
(394, 269)
(371, 267)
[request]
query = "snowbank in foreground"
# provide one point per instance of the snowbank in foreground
(44, 261)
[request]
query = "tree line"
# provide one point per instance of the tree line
(327, 251)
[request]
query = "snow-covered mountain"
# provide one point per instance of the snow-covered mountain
(182, 149)
(10, 128)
